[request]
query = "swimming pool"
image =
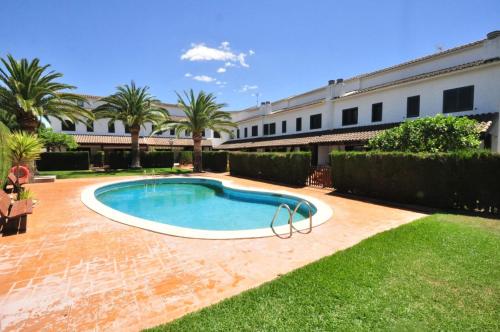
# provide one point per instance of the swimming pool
(199, 207)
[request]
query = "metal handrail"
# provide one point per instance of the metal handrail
(291, 214)
(290, 217)
(310, 216)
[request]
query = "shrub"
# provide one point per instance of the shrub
(215, 161)
(431, 134)
(290, 168)
(149, 159)
(63, 161)
(157, 159)
(56, 141)
(185, 157)
(98, 159)
(458, 180)
(5, 162)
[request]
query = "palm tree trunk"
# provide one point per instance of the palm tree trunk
(136, 156)
(28, 123)
(197, 161)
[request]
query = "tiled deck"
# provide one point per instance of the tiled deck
(76, 270)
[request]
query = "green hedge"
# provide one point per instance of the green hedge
(289, 168)
(5, 163)
(184, 157)
(459, 180)
(98, 159)
(215, 161)
(63, 161)
(149, 159)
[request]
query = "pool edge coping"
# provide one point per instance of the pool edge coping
(322, 215)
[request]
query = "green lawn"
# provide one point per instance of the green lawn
(121, 172)
(438, 273)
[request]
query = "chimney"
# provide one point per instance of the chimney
(262, 103)
(340, 80)
(331, 82)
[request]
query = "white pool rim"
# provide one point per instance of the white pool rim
(323, 213)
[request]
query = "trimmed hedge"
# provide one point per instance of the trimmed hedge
(63, 161)
(185, 157)
(456, 180)
(289, 168)
(215, 161)
(98, 159)
(149, 159)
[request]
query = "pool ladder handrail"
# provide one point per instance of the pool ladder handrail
(153, 176)
(291, 214)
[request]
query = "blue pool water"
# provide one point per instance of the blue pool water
(197, 203)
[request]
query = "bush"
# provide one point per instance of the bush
(98, 159)
(458, 180)
(157, 159)
(149, 159)
(63, 161)
(5, 162)
(431, 134)
(215, 161)
(185, 157)
(290, 168)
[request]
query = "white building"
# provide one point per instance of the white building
(462, 81)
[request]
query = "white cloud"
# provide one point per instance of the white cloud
(201, 52)
(251, 52)
(188, 75)
(221, 70)
(221, 84)
(229, 64)
(247, 87)
(203, 78)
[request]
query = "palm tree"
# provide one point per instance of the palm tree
(202, 112)
(29, 93)
(134, 107)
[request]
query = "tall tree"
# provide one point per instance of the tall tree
(29, 92)
(202, 112)
(134, 107)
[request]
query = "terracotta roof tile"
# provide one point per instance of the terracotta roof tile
(126, 140)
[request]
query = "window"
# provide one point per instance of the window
(377, 112)
(272, 128)
(237, 133)
(255, 130)
(459, 99)
(80, 103)
(68, 126)
(350, 116)
(111, 127)
(283, 127)
(266, 129)
(315, 121)
(413, 107)
(172, 132)
(203, 133)
(298, 124)
(216, 134)
(187, 133)
(246, 132)
(127, 129)
(90, 126)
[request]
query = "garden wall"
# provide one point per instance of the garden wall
(215, 161)
(289, 168)
(461, 180)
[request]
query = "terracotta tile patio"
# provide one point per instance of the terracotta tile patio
(76, 270)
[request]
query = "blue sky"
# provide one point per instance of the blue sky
(273, 48)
